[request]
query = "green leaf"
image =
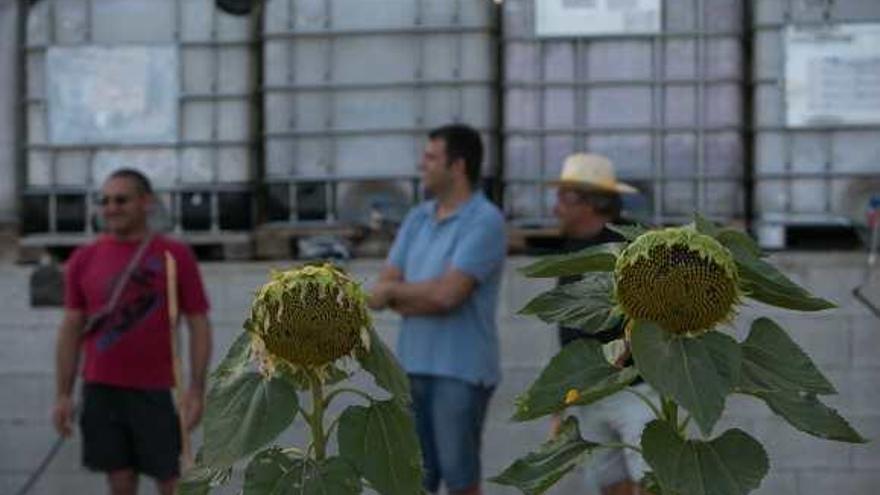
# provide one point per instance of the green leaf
(806, 413)
(380, 441)
(581, 366)
(698, 373)
(538, 471)
(301, 378)
(777, 371)
(628, 232)
(200, 479)
(773, 362)
(235, 363)
(762, 282)
(732, 464)
(265, 474)
(274, 473)
(381, 363)
(739, 243)
(585, 304)
(599, 258)
(244, 413)
(705, 226)
(650, 483)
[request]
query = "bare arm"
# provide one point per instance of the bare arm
(200, 344)
(378, 298)
(67, 351)
(431, 297)
(66, 360)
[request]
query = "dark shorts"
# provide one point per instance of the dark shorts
(134, 429)
(449, 416)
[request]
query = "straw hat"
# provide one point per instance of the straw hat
(590, 171)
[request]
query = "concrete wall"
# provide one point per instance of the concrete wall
(8, 106)
(844, 342)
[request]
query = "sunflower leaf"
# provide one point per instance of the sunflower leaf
(585, 304)
(771, 361)
(808, 414)
(601, 258)
(762, 282)
(705, 226)
(536, 472)
(740, 244)
(732, 464)
(697, 372)
(579, 366)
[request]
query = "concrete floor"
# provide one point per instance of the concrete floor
(844, 342)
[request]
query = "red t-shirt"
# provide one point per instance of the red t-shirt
(131, 347)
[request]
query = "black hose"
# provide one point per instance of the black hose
(857, 292)
(38, 473)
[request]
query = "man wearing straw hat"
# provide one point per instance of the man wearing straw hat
(122, 296)
(588, 198)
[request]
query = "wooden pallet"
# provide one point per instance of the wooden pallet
(808, 236)
(228, 246)
(278, 240)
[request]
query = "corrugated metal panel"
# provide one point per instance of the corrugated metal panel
(666, 108)
(807, 175)
(205, 167)
(351, 89)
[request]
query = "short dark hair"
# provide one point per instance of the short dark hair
(605, 203)
(462, 141)
(140, 180)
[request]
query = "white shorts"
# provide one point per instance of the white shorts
(618, 418)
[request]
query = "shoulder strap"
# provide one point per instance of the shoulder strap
(120, 284)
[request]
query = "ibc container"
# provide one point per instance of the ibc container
(807, 174)
(666, 108)
(351, 90)
(163, 86)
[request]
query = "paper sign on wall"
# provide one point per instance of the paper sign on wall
(125, 94)
(832, 75)
(567, 18)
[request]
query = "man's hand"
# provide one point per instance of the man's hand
(62, 415)
(380, 295)
(193, 406)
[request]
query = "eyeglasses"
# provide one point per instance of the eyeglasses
(569, 198)
(119, 200)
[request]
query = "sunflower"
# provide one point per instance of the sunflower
(307, 318)
(680, 279)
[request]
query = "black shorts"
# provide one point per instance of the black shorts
(127, 428)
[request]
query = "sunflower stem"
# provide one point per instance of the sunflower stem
(316, 419)
(684, 424)
(670, 411)
(332, 395)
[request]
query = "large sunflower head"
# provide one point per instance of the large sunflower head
(309, 317)
(682, 280)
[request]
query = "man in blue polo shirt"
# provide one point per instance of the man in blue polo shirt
(443, 276)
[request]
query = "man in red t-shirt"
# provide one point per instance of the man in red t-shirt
(128, 418)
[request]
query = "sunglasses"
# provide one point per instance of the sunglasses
(119, 200)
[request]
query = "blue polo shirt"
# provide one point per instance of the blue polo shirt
(463, 343)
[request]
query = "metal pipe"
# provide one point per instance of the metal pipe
(749, 116)
(20, 129)
(391, 30)
(499, 110)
